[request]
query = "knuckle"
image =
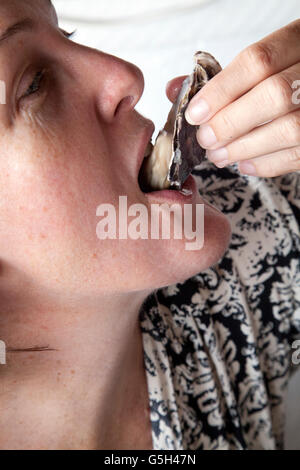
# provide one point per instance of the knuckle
(291, 128)
(294, 28)
(238, 150)
(225, 127)
(279, 92)
(286, 161)
(262, 57)
(266, 168)
(294, 157)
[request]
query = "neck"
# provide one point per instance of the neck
(89, 347)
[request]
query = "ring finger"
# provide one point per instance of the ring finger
(275, 164)
(282, 133)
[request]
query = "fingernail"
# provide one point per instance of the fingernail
(206, 136)
(247, 168)
(219, 155)
(222, 164)
(197, 111)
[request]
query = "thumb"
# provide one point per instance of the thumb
(173, 87)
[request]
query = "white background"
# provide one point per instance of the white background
(161, 36)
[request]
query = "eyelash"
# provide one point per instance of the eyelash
(36, 84)
(38, 79)
(68, 35)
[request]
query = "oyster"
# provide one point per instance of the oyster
(176, 151)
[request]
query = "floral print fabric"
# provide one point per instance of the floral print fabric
(217, 347)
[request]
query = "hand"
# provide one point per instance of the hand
(250, 112)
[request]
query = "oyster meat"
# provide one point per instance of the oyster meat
(176, 151)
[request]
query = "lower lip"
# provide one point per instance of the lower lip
(175, 195)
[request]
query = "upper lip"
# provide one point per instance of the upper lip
(145, 139)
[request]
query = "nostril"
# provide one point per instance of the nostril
(124, 105)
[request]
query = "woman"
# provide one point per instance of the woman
(86, 355)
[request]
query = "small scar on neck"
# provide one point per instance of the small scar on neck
(30, 350)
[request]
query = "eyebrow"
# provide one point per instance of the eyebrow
(27, 24)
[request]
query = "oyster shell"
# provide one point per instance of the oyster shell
(176, 151)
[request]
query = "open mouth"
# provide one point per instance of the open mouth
(176, 152)
(142, 172)
(154, 171)
(153, 174)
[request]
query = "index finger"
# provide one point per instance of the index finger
(254, 64)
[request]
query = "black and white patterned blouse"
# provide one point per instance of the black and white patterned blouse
(217, 347)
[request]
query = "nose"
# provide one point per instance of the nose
(116, 85)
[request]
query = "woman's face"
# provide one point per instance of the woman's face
(70, 141)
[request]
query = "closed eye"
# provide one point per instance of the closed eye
(68, 35)
(35, 85)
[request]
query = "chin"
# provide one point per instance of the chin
(168, 262)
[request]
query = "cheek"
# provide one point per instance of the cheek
(51, 183)
(48, 211)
